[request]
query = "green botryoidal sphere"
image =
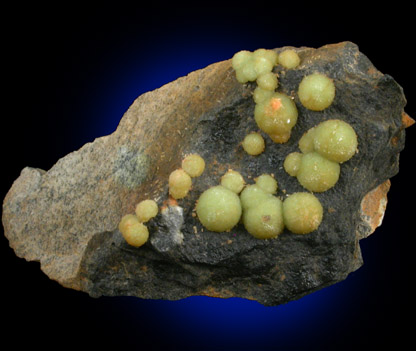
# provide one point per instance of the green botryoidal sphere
(265, 221)
(316, 173)
(219, 209)
(302, 213)
(233, 181)
(292, 163)
(289, 59)
(146, 209)
(252, 195)
(249, 66)
(316, 91)
(194, 165)
(267, 183)
(179, 184)
(134, 232)
(276, 116)
(335, 140)
(267, 81)
(307, 140)
(253, 144)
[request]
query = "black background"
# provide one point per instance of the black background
(59, 59)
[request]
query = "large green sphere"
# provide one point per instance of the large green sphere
(302, 213)
(316, 91)
(252, 196)
(265, 221)
(335, 140)
(276, 116)
(219, 209)
(316, 173)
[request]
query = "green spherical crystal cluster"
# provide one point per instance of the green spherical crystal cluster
(292, 163)
(180, 180)
(289, 59)
(180, 183)
(317, 167)
(316, 91)
(276, 116)
(134, 232)
(316, 173)
(265, 216)
(253, 144)
(267, 183)
(262, 212)
(146, 209)
(324, 147)
(131, 226)
(335, 140)
(219, 209)
(233, 181)
(250, 66)
(302, 213)
(265, 221)
(275, 113)
(194, 165)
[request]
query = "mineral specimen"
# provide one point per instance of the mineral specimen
(67, 218)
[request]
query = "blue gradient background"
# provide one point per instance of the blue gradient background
(76, 71)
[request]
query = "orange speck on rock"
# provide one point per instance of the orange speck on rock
(172, 201)
(395, 140)
(168, 203)
(373, 206)
(407, 121)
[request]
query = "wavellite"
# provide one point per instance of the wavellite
(66, 218)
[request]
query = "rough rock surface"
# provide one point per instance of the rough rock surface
(67, 217)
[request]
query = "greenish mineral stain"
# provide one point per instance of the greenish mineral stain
(130, 167)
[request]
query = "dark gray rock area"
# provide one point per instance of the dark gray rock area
(67, 217)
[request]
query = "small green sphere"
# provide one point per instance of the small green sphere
(127, 221)
(267, 81)
(336, 140)
(241, 77)
(289, 59)
(262, 65)
(233, 181)
(265, 221)
(252, 195)
(292, 163)
(267, 183)
(260, 95)
(307, 140)
(194, 165)
(316, 173)
(219, 209)
(268, 54)
(240, 59)
(249, 71)
(146, 209)
(179, 184)
(302, 213)
(249, 66)
(253, 144)
(134, 232)
(316, 91)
